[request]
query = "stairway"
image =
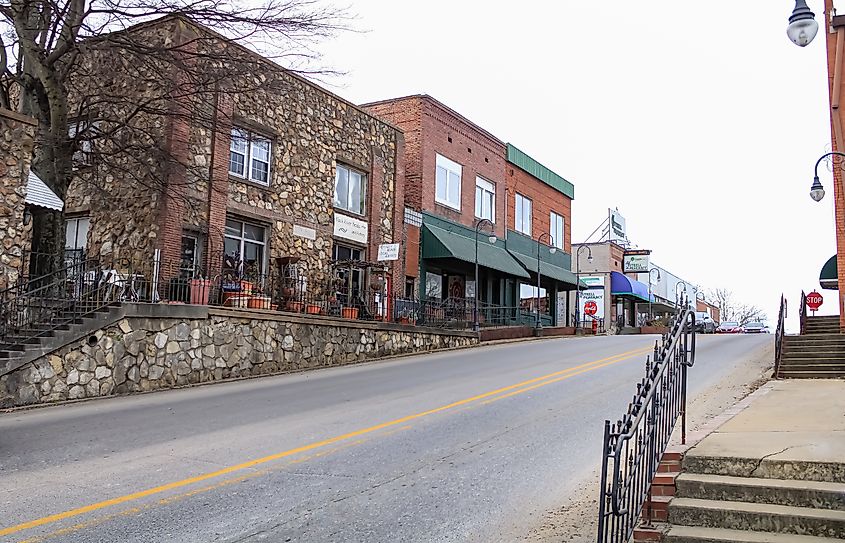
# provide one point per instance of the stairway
(714, 505)
(22, 346)
(819, 353)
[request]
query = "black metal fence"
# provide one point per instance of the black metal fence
(633, 446)
(779, 333)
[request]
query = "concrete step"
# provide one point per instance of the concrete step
(769, 468)
(820, 495)
(813, 355)
(813, 374)
(815, 338)
(761, 517)
(697, 534)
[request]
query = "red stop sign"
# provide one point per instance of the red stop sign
(591, 308)
(814, 300)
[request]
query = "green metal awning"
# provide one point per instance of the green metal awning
(546, 269)
(441, 243)
(829, 277)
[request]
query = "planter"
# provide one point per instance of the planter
(294, 306)
(200, 289)
(287, 292)
(404, 320)
(349, 312)
(236, 301)
(313, 309)
(259, 302)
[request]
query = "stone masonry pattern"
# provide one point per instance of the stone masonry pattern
(16, 141)
(140, 354)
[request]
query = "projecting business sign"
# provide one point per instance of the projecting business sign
(635, 261)
(349, 228)
(616, 226)
(388, 251)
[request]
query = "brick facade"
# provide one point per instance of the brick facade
(544, 200)
(432, 128)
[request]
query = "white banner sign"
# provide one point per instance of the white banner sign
(592, 280)
(595, 295)
(635, 263)
(388, 251)
(349, 228)
(617, 229)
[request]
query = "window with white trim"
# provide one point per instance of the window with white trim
(350, 188)
(485, 199)
(76, 233)
(522, 215)
(244, 245)
(556, 229)
(448, 183)
(249, 156)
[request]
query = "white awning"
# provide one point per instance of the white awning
(39, 194)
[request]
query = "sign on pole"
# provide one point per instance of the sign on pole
(388, 251)
(591, 308)
(814, 301)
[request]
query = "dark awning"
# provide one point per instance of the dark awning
(622, 285)
(547, 269)
(829, 277)
(441, 243)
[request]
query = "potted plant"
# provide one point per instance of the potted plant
(349, 312)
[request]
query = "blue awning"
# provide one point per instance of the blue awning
(622, 285)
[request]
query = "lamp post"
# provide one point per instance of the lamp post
(816, 189)
(650, 310)
(492, 238)
(677, 295)
(552, 250)
(802, 24)
(578, 281)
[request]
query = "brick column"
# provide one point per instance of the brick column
(399, 233)
(218, 184)
(375, 196)
(836, 122)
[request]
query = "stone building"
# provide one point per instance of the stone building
(458, 174)
(16, 141)
(276, 167)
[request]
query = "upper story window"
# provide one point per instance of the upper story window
(522, 215)
(249, 156)
(448, 183)
(83, 134)
(485, 199)
(350, 187)
(556, 229)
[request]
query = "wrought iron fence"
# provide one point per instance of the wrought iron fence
(633, 446)
(802, 313)
(779, 333)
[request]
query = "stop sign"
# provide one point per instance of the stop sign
(590, 308)
(814, 300)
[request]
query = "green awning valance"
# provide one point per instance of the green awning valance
(829, 277)
(441, 243)
(546, 269)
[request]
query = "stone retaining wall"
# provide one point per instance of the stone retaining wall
(152, 349)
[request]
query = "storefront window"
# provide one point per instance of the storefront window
(348, 276)
(244, 246)
(528, 299)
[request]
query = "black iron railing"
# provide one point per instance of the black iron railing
(802, 313)
(633, 446)
(779, 333)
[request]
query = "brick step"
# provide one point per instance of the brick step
(761, 517)
(819, 495)
(698, 534)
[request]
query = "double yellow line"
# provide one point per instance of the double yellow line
(485, 398)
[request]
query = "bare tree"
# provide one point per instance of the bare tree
(99, 77)
(733, 311)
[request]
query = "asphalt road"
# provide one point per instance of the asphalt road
(457, 446)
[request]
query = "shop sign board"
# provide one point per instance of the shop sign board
(349, 228)
(594, 300)
(636, 261)
(388, 251)
(617, 231)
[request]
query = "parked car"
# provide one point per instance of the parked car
(704, 324)
(729, 327)
(755, 328)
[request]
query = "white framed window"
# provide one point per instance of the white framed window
(448, 183)
(249, 156)
(522, 214)
(76, 233)
(556, 229)
(244, 245)
(350, 189)
(485, 199)
(83, 133)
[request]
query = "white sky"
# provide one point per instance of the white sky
(700, 121)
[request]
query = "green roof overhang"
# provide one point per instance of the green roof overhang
(829, 277)
(555, 266)
(449, 243)
(523, 161)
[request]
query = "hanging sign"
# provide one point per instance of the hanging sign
(349, 228)
(635, 261)
(388, 251)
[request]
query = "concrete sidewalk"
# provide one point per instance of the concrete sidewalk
(786, 429)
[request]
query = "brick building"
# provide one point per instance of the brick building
(456, 174)
(287, 170)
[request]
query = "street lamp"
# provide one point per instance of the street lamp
(816, 189)
(678, 295)
(650, 311)
(802, 24)
(492, 238)
(578, 280)
(552, 250)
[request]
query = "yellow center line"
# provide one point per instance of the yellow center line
(290, 452)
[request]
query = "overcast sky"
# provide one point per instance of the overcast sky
(700, 121)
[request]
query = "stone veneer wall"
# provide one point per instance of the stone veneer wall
(16, 141)
(161, 350)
